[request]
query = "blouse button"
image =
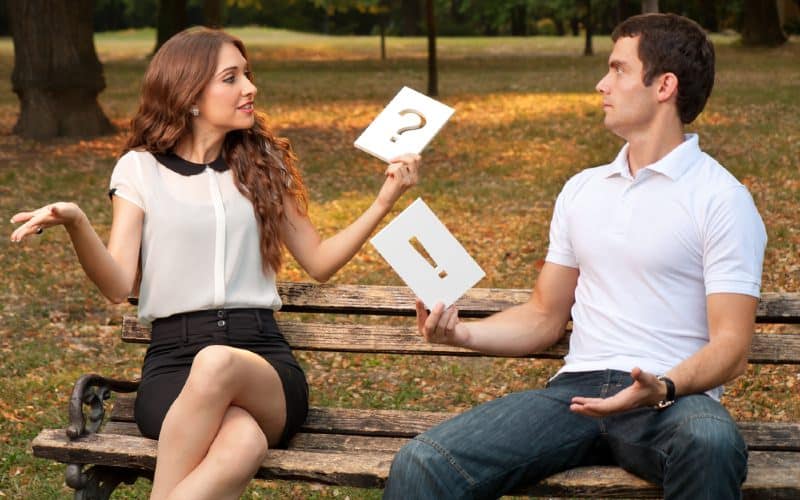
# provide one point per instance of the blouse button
(221, 322)
(220, 313)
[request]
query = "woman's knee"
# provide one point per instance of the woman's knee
(241, 441)
(212, 370)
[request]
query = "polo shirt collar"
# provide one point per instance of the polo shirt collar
(674, 164)
(186, 167)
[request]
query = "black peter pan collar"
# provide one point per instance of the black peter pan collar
(186, 167)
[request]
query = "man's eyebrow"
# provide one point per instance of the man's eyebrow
(616, 63)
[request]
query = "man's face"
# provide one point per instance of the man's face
(628, 104)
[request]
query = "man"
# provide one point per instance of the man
(657, 256)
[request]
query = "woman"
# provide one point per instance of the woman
(206, 196)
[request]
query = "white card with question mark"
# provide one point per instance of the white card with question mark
(427, 256)
(406, 125)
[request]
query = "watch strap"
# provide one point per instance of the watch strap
(670, 397)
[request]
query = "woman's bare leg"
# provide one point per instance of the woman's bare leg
(231, 462)
(221, 377)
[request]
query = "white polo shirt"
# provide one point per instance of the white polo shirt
(649, 250)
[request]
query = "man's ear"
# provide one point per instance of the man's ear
(667, 87)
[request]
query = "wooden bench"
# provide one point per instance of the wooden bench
(354, 447)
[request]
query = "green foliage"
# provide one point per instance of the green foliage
(527, 118)
(454, 17)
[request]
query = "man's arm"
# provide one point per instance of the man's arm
(731, 322)
(517, 331)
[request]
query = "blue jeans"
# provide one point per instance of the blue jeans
(693, 448)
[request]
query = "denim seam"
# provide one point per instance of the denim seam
(520, 466)
(718, 419)
(446, 454)
(662, 452)
(713, 417)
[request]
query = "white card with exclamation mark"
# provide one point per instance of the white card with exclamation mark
(427, 256)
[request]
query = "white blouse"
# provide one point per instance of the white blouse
(200, 239)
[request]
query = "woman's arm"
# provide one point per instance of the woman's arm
(322, 258)
(112, 269)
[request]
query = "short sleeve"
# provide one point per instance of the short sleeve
(735, 239)
(126, 179)
(560, 250)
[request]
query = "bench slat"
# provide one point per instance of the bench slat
(303, 440)
(770, 474)
(766, 347)
(773, 307)
(779, 436)
(387, 300)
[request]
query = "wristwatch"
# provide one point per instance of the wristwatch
(670, 398)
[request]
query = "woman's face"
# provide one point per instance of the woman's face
(227, 101)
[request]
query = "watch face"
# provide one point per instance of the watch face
(664, 404)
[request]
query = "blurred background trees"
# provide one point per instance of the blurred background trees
(57, 75)
(453, 17)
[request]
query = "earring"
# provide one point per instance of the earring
(195, 111)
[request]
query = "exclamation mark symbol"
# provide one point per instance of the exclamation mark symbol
(417, 245)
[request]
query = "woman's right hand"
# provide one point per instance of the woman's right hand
(55, 214)
(401, 174)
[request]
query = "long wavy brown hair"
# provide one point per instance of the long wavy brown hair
(264, 166)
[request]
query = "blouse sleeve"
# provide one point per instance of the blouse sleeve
(126, 180)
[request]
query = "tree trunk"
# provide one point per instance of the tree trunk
(171, 20)
(212, 13)
(519, 21)
(575, 25)
(383, 38)
(588, 50)
(649, 6)
(761, 26)
(433, 78)
(57, 75)
(411, 17)
(708, 15)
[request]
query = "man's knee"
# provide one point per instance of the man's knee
(418, 470)
(711, 436)
(412, 460)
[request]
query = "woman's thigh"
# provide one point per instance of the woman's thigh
(249, 382)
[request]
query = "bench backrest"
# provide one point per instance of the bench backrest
(351, 336)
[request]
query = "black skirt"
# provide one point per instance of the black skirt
(177, 339)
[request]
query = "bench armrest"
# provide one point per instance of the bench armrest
(92, 390)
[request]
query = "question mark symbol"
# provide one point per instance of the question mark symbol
(422, 122)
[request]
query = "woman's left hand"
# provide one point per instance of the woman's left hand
(401, 174)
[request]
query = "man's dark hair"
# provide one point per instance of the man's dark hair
(669, 43)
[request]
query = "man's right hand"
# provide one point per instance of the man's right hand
(440, 325)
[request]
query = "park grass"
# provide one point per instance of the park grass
(527, 119)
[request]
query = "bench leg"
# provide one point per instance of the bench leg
(98, 482)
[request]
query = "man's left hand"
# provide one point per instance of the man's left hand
(646, 390)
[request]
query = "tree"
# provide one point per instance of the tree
(519, 19)
(433, 76)
(57, 75)
(212, 13)
(378, 8)
(411, 17)
(761, 25)
(171, 20)
(649, 6)
(588, 22)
